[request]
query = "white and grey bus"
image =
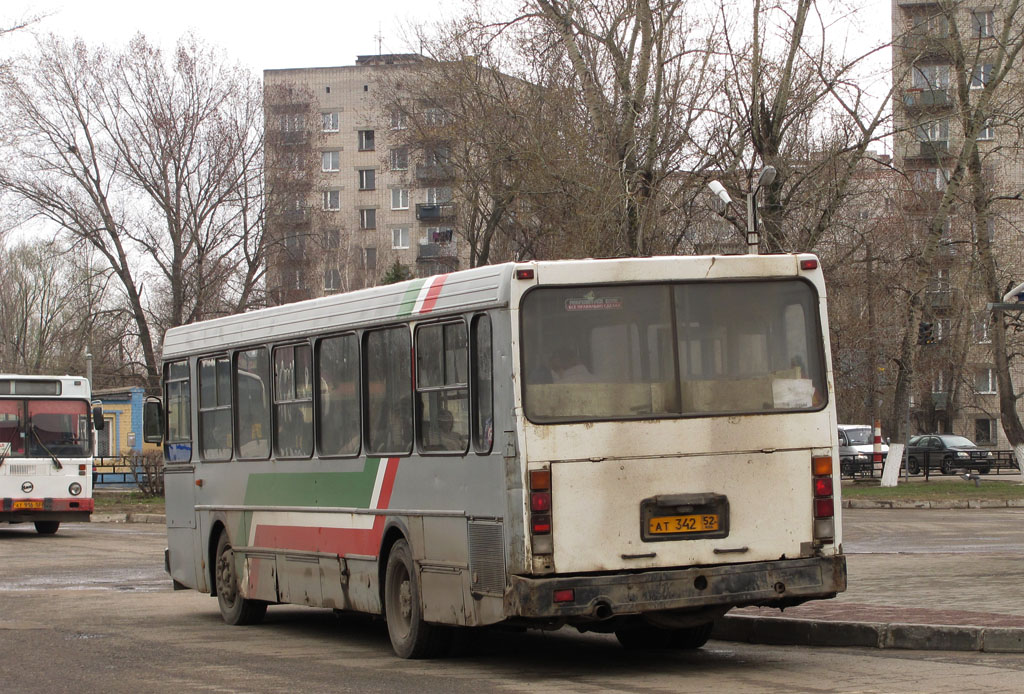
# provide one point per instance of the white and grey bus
(631, 446)
(46, 450)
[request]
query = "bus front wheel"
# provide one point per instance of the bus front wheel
(47, 527)
(233, 607)
(411, 637)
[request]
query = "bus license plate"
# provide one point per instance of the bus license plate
(697, 523)
(28, 505)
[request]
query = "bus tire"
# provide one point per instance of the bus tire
(411, 637)
(235, 609)
(47, 527)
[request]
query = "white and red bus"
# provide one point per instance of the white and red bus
(631, 446)
(46, 450)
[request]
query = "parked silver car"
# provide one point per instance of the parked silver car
(856, 449)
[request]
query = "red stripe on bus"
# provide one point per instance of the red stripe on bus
(340, 541)
(433, 293)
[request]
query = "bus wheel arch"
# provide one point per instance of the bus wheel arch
(216, 531)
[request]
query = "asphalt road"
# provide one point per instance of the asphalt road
(90, 610)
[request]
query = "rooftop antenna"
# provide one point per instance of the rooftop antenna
(380, 38)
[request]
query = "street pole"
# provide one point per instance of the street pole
(753, 242)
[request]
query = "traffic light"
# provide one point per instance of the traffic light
(925, 333)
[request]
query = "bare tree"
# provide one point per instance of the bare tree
(156, 166)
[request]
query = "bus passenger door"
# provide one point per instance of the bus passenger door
(182, 539)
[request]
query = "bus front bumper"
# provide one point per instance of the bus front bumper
(775, 583)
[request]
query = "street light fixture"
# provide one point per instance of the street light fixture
(765, 179)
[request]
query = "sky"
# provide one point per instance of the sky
(261, 35)
(300, 34)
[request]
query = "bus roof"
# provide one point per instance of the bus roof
(464, 290)
(69, 386)
(455, 292)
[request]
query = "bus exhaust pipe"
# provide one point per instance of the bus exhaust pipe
(602, 610)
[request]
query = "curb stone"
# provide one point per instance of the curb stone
(936, 504)
(926, 637)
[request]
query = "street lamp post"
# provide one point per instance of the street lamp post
(765, 179)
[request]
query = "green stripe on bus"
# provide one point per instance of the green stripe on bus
(343, 489)
(409, 298)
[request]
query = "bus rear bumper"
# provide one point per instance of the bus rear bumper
(22, 510)
(598, 597)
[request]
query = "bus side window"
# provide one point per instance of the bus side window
(293, 401)
(252, 412)
(338, 420)
(442, 387)
(483, 386)
(388, 389)
(215, 408)
(178, 395)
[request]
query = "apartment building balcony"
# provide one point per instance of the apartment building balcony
(434, 251)
(917, 3)
(293, 216)
(926, 99)
(918, 45)
(434, 212)
(434, 172)
(929, 150)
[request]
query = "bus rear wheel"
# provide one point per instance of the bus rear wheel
(234, 608)
(47, 527)
(653, 638)
(411, 637)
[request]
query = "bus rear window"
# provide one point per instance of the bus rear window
(688, 349)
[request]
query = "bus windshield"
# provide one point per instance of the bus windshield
(662, 350)
(44, 427)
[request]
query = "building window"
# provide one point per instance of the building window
(931, 77)
(987, 131)
(399, 120)
(399, 198)
(985, 381)
(332, 199)
(367, 179)
(332, 238)
(982, 24)
(330, 161)
(439, 235)
(292, 278)
(933, 131)
(985, 431)
(981, 323)
(400, 237)
(368, 218)
(330, 122)
(990, 225)
(293, 122)
(294, 241)
(943, 329)
(370, 259)
(400, 159)
(366, 140)
(939, 383)
(332, 280)
(980, 76)
(440, 195)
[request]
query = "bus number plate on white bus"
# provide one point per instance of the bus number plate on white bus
(28, 505)
(698, 523)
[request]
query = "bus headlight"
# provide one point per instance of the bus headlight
(75, 488)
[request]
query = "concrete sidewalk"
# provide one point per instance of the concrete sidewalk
(927, 601)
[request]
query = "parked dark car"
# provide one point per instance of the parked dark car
(948, 453)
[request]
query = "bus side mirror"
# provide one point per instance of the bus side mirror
(152, 421)
(97, 418)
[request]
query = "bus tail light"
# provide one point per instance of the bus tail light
(540, 511)
(82, 470)
(824, 499)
